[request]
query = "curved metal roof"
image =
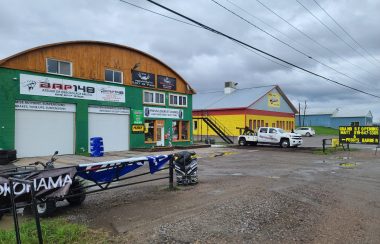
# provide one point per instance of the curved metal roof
(93, 42)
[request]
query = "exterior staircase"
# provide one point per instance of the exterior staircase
(216, 126)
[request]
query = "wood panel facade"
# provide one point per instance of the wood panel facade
(90, 59)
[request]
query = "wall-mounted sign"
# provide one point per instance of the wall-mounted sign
(359, 134)
(57, 87)
(138, 128)
(169, 113)
(167, 83)
(137, 117)
(274, 100)
(143, 79)
(44, 106)
(108, 110)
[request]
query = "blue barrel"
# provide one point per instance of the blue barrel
(96, 147)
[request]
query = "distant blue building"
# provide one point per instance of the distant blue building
(339, 117)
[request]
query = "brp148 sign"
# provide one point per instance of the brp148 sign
(56, 87)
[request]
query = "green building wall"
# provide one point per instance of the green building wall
(10, 92)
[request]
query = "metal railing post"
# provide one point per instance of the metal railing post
(324, 145)
(171, 173)
(14, 212)
(36, 215)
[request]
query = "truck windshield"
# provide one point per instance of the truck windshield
(281, 131)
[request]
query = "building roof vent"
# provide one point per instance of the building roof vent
(229, 87)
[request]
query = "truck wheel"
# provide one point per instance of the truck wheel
(45, 209)
(76, 188)
(242, 142)
(284, 143)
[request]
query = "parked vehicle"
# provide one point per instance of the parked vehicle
(270, 135)
(305, 131)
(186, 168)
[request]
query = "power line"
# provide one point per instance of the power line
(348, 34)
(297, 50)
(312, 39)
(184, 22)
(268, 25)
(259, 50)
(333, 32)
(163, 15)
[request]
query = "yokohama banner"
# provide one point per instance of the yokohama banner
(47, 184)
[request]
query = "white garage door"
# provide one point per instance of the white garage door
(43, 128)
(112, 124)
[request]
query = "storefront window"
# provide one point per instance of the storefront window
(185, 130)
(155, 131)
(175, 126)
(149, 135)
(180, 130)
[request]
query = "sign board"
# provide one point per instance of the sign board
(274, 99)
(137, 117)
(63, 88)
(44, 106)
(359, 134)
(143, 79)
(138, 128)
(47, 183)
(165, 82)
(108, 110)
(168, 113)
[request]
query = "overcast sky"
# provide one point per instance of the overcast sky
(206, 60)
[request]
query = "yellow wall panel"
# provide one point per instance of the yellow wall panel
(229, 121)
(286, 123)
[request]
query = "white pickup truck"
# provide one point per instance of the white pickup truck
(270, 135)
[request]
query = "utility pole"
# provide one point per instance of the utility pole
(299, 114)
(304, 114)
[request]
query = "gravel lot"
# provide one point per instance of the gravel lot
(248, 195)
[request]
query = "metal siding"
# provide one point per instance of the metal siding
(262, 104)
(315, 120)
(336, 122)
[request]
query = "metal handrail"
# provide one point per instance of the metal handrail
(223, 128)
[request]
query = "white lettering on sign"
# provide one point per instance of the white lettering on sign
(57, 87)
(44, 106)
(38, 184)
(108, 110)
(153, 112)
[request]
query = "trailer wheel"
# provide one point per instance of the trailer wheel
(76, 188)
(46, 209)
(284, 143)
(242, 142)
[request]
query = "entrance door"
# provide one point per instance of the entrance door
(160, 133)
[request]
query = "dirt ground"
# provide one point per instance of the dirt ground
(248, 195)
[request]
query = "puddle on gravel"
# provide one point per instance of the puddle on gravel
(274, 177)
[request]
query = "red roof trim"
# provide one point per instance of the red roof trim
(242, 111)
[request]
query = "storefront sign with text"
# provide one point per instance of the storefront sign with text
(169, 113)
(64, 88)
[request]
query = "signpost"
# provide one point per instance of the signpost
(359, 134)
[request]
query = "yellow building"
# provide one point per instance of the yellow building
(226, 112)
